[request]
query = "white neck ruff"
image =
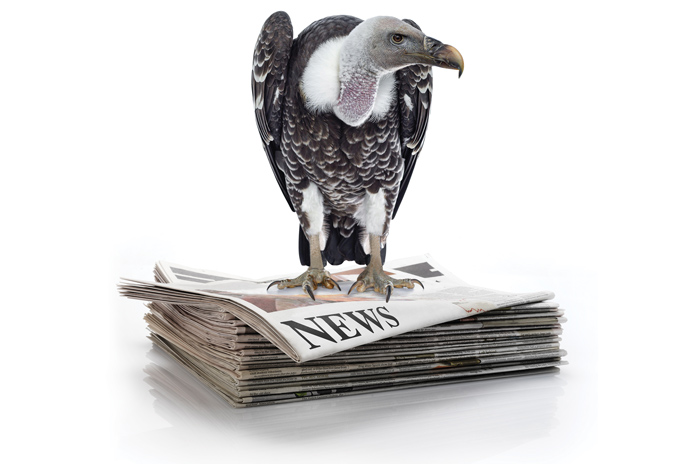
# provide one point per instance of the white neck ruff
(321, 85)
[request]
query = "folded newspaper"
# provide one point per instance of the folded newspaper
(249, 343)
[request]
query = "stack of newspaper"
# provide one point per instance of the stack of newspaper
(256, 347)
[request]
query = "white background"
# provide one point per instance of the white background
(564, 159)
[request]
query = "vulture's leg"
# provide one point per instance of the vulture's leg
(314, 276)
(374, 276)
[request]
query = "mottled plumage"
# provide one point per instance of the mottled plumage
(342, 146)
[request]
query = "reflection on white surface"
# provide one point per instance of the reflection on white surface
(488, 417)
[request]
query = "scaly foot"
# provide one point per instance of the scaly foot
(381, 283)
(308, 281)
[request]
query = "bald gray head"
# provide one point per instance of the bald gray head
(375, 49)
(385, 44)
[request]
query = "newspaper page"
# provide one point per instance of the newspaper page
(241, 398)
(306, 329)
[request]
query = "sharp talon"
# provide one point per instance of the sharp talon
(416, 281)
(307, 289)
(273, 283)
(388, 292)
(353, 286)
(336, 284)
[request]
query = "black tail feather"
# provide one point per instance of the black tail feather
(338, 249)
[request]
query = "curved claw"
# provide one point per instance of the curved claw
(353, 286)
(309, 291)
(335, 283)
(416, 281)
(388, 292)
(275, 282)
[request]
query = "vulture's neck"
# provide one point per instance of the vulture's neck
(339, 79)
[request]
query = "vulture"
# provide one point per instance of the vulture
(342, 111)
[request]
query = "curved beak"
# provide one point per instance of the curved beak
(444, 56)
(439, 54)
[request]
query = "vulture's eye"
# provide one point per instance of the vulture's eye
(397, 38)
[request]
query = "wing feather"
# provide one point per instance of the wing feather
(269, 76)
(414, 92)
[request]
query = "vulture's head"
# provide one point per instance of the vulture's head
(367, 60)
(389, 44)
